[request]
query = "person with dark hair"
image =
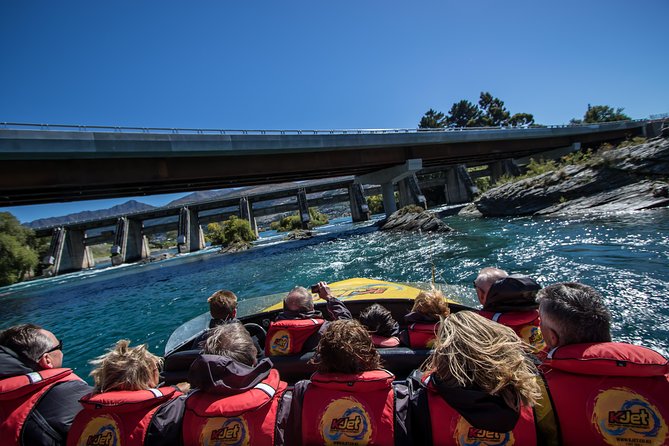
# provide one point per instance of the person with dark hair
(379, 322)
(602, 392)
(238, 399)
(127, 405)
(422, 321)
(511, 300)
(350, 399)
(477, 385)
(38, 397)
(299, 326)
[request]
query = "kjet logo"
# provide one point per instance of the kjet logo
(280, 343)
(623, 416)
(223, 431)
(532, 335)
(345, 422)
(467, 435)
(100, 431)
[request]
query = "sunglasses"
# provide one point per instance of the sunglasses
(59, 346)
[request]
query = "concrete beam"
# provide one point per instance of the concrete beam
(410, 192)
(246, 213)
(67, 253)
(387, 179)
(459, 186)
(303, 208)
(504, 167)
(359, 207)
(130, 244)
(190, 237)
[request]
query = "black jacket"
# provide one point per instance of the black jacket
(50, 420)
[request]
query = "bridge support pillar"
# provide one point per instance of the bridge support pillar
(246, 212)
(410, 192)
(459, 185)
(190, 237)
(67, 252)
(303, 208)
(387, 179)
(504, 167)
(359, 207)
(130, 244)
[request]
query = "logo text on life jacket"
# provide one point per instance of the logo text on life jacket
(482, 434)
(280, 343)
(346, 424)
(226, 431)
(629, 418)
(623, 416)
(345, 421)
(103, 439)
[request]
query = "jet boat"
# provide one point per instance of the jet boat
(256, 314)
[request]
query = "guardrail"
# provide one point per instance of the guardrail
(190, 131)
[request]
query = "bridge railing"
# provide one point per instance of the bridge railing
(191, 131)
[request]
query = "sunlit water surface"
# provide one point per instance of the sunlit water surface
(626, 257)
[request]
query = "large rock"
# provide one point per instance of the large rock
(629, 178)
(403, 220)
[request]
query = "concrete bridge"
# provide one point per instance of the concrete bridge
(56, 163)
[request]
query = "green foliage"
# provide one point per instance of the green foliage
(17, 257)
(604, 113)
(101, 251)
(535, 167)
(483, 184)
(632, 142)
(375, 204)
(522, 120)
(410, 209)
(464, 114)
(163, 241)
(233, 230)
(580, 157)
(432, 120)
(493, 111)
(293, 222)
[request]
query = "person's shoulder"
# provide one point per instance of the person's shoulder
(70, 389)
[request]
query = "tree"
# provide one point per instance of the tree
(233, 230)
(521, 120)
(464, 114)
(16, 256)
(604, 113)
(493, 110)
(432, 120)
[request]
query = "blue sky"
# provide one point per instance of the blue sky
(321, 65)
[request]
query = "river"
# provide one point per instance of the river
(625, 257)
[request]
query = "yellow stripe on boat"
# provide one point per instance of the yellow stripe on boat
(367, 289)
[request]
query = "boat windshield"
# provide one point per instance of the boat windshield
(199, 324)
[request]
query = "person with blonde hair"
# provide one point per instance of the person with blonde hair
(422, 321)
(350, 399)
(126, 405)
(477, 384)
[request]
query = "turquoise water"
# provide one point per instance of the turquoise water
(626, 257)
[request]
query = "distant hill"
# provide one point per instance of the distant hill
(121, 209)
(203, 195)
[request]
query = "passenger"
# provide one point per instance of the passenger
(299, 327)
(477, 386)
(223, 310)
(222, 307)
(350, 399)
(511, 301)
(238, 398)
(423, 321)
(380, 324)
(126, 405)
(38, 397)
(603, 392)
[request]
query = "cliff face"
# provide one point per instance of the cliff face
(624, 179)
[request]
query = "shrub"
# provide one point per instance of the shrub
(292, 222)
(233, 230)
(375, 204)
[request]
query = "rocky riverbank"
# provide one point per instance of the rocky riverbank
(623, 179)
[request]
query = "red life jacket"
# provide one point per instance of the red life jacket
(243, 419)
(525, 324)
(449, 428)
(19, 396)
(422, 335)
(287, 337)
(349, 409)
(117, 418)
(609, 393)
